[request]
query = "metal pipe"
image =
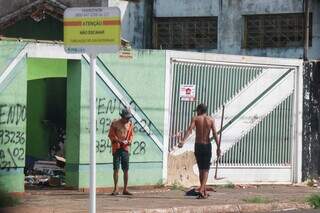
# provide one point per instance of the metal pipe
(92, 133)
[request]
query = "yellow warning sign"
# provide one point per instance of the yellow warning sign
(92, 30)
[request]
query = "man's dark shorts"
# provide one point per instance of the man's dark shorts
(121, 156)
(203, 155)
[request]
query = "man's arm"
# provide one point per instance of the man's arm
(130, 134)
(214, 132)
(215, 136)
(112, 134)
(188, 133)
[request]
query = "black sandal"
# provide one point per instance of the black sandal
(202, 196)
(115, 193)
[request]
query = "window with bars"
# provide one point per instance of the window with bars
(275, 30)
(185, 33)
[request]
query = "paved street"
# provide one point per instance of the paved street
(276, 198)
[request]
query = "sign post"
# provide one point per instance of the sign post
(92, 30)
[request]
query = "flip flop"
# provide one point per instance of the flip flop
(115, 193)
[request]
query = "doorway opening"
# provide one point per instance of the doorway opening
(46, 122)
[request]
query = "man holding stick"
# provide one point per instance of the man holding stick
(202, 149)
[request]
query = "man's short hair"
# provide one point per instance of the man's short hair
(202, 108)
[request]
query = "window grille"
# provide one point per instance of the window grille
(275, 30)
(185, 33)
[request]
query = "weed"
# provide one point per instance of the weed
(177, 186)
(256, 199)
(229, 185)
(160, 184)
(314, 201)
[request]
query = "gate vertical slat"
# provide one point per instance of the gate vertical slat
(289, 122)
(183, 116)
(275, 140)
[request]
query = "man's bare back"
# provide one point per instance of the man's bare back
(203, 124)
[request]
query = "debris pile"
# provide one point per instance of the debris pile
(313, 182)
(46, 173)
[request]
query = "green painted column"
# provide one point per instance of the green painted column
(13, 91)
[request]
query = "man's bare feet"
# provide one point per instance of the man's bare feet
(202, 196)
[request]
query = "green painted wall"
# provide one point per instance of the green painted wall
(145, 155)
(12, 119)
(46, 103)
(144, 79)
(39, 68)
(8, 51)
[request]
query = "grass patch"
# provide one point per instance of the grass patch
(256, 199)
(229, 185)
(6, 200)
(176, 186)
(314, 201)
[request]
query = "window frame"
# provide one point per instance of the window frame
(171, 21)
(262, 18)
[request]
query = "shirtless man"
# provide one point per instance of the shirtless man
(121, 134)
(202, 149)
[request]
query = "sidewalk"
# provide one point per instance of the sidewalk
(274, 197)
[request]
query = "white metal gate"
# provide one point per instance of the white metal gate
(261, 141)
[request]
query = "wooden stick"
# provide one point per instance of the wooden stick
(218, 146)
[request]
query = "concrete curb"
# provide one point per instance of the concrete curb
(184, 209)
(227, 208)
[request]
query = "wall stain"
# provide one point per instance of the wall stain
(180, 169)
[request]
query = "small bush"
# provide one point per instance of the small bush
(7, 200)
(229, 185)
(256, 199)
(314, 201)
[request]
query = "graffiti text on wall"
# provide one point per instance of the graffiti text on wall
(112, 106)
(137, 147)
(12, 114)
(10, 156)
(107, 110)
(12, 137)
